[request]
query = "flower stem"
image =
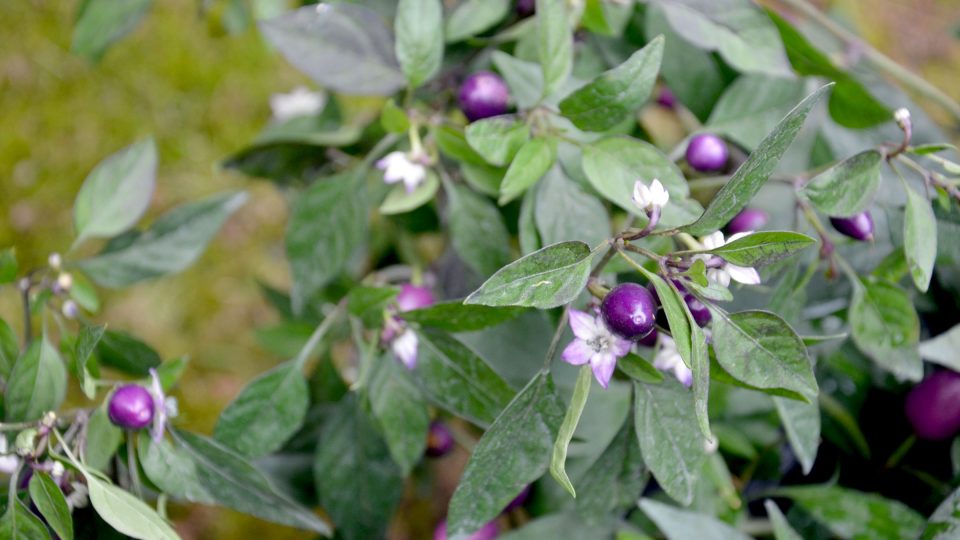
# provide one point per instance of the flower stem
(317, 335)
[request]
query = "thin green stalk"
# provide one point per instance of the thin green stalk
(321, 330)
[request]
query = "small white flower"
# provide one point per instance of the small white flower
(722, 275)
(398, 166)
(668, 359)
(646, 198)
(404, 347)
(57, 471)
(55, 261)
(65, 281)
(164, 407)
(299, 102)
(70, 309)
(8, 461)
(78, 497)
(901, 115)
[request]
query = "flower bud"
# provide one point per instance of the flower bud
(858, 227)
(26, 442)
(55, 261)
(64, 281)
(414, 297)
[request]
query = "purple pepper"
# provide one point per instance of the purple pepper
(858, 227)
(707, 153)
(487, 532)
(629, 310)
(649, 340)
(701, 313)
(749, 219)
(484, 94)
(131, 407)
(439, 439)
(933, 406)
(666, 98)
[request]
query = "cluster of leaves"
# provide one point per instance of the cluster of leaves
(515, 216)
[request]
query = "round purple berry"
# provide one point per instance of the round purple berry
(700, 312)
(858, 227)
(414, 297)
(933, 406)
(707, 152)
(483, 95)
(649, 340)
(666, 98)
(526, 8)
(439, 439)
(131, 407)
(629, 310)
(487, 532)
(749, 219)
(518, 501)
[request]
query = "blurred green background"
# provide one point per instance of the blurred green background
(203, 95)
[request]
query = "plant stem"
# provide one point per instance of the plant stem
(317, 335)
(879, 60)
(378, 149)
(27, 320)
(132, 466)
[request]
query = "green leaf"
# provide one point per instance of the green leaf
(526, 224)
(739, 31)
(37, 384)
(944, 523)
(393, 118)
(123, 351)
(753, 174)
(9, 349)
(171, 371)
(615, 480)
(101, 23)
(48, 498)
(473, 17)
(801, 421)
(401, 411)
(103, 439)
(497, 139)
(87, 342)
(753, 105)
(266, 413)
(546, 278)
(327, 222)
(400, 201)
(558, 461)
(453, 143)
(677, 524)
(84, 294)
(555, 43)
(613, 166)
(8, 265)
(534, 159)
(455, 316)
(920, 239)
(514, 452)
(672, 446)
(851, 105)
(781, 529)
(458, 380)
(344, 47)
(117, 192)
(607, 100)
(760, 349)
(170, 245)
(639, 369)
(763, 247)
(358, 484)
(884, 325)
(126, 513)
(19, 523)
(524, 78)
(943, 349)
(200, 470)
(563, 211)
(567, 525)
(419, 45)
(848, 187)
(368, 303)
(854, 514)
(477, 231)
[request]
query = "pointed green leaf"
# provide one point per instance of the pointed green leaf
(854, 514)
(753, 174)
(525, 79)
(455, 316)
(514, 452)
(497, 139)
(677, 524)
(419, 44)
(558, 461)
(555, 43)
(127, 353)
(884, 325)
(848, 187)
(477, 231)
(19, 523)
(46, 495)
(801, 421)
(781, 529)
(100, 23)
(472, 17)
(8, 265)
(920, 239)
(546, 278)
(607, 100)
(86, 343)
(943, 349)
(126, 513)
(401, 411)
(563, 211)
(532, 161)
(763, 247)
(37, 384)
(399, 200)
